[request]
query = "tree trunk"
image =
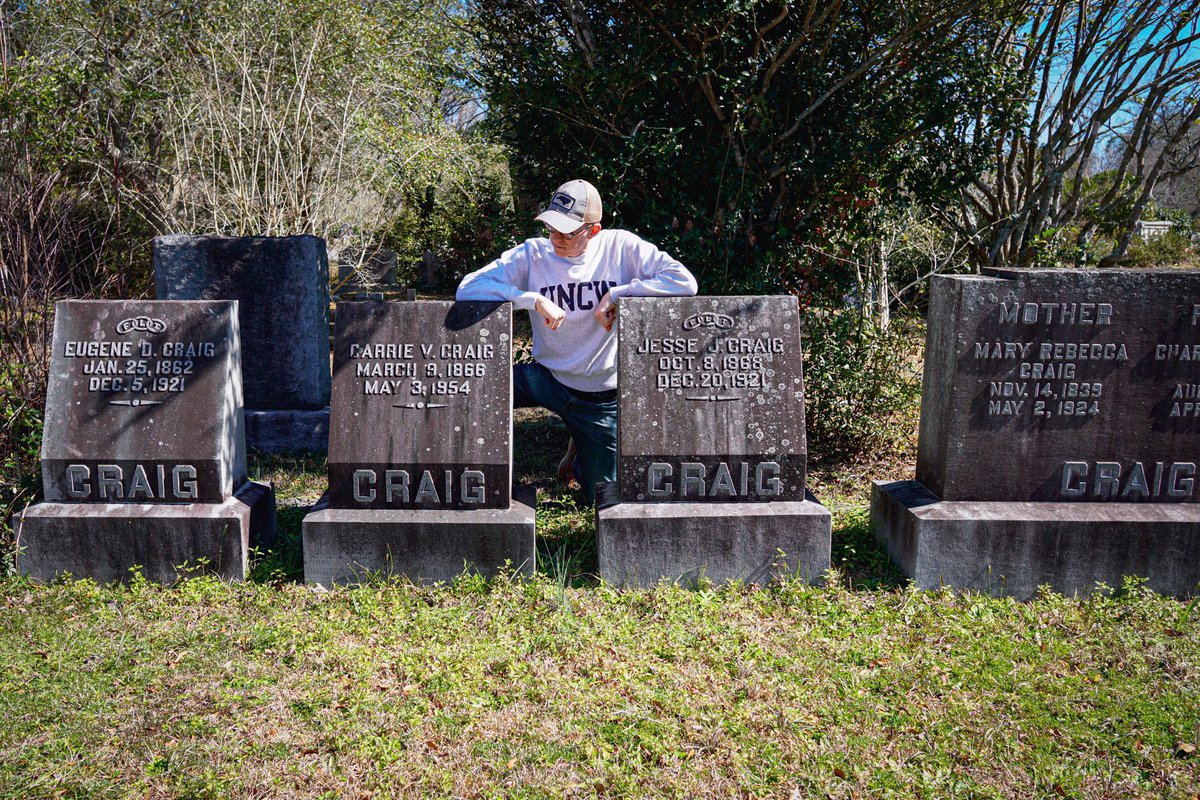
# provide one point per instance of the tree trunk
(882, 289)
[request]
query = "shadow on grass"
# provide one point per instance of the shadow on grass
(299, 480)
(566, 527)
(283, 560)
(566, 542)
(862, 561)
(539, 441)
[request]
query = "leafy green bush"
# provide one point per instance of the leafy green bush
(463, 224)
(1159, 251)
(863, 384)
(1181, 218)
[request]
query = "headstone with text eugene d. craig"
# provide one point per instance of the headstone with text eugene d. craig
(1060, 434)
(711, 450)
(281, 284)
(420, 447)
(143, 451)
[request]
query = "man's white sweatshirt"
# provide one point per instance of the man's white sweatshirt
(581, 354)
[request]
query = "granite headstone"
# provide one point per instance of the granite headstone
(1058, 406)
(711, 401)
(282, 288)
(422, 405)
(143, 452)
(710, 412)
(420, 446)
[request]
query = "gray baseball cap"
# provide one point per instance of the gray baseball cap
(573, 205)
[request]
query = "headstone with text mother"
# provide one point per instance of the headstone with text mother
(711, 449)
(143, 450)
(420, 447)
(1060, 435)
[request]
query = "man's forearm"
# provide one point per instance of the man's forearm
(672, 281)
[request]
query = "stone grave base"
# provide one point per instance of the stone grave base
(1012, 548)
(287, 431)
(103, 541)
(347, 546)
(643, 544)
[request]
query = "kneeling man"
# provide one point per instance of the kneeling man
(572, 280)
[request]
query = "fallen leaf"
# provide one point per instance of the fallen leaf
(1184, 749)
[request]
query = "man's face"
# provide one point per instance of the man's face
(572, 245)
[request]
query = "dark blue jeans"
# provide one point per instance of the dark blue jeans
(593, 425)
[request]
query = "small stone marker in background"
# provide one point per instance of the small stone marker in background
(1060, 434)
(359, 270)
(420, 447)
(711, 446)
(282, 288)
(143, 451)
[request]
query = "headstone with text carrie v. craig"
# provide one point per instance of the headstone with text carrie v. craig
(711, 451)
(420, 447)
(143, 452)
(1060, 434)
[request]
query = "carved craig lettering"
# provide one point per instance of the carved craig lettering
(112, 482)
(397, 488)
(724, 481)
(1111, 480)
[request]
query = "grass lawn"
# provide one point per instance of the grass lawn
(557, 687)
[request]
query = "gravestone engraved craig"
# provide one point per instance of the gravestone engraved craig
(712, 401)
(143, 410)
(282, 288)
(420, 446)
(711, 411)
(419, 421)
(1059, 406)
(137, 409)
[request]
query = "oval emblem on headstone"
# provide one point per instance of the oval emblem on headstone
(146, 324)
(707, 319)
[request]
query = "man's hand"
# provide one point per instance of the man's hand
(606, 312)
(551, 313)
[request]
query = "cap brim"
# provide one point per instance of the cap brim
(559, 221)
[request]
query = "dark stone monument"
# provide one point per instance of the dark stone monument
(282, 288)
(1060, 428)
(711, 448)
(420, 447)
(143, 451)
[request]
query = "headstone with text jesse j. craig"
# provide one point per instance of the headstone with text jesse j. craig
(420, 446)
(711, 412)
(1060, 434)
(143, 451)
